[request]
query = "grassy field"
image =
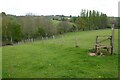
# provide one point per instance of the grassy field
(56, 23)
(59, 58)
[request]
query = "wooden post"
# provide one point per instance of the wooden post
(112, 38)
(111, 44)
(11, 39)
(96, 39)
(96, 44)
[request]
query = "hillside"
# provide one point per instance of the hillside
(59, 58)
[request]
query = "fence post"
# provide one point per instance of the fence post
(96, 44)
(112, 42)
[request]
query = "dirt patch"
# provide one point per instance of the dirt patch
(92, 54)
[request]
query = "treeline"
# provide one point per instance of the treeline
(31, 27)
(91, 20)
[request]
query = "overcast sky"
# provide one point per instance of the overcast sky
(58, 7)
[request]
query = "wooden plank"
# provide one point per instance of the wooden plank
(103, 35)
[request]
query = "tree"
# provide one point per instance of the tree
(91, 20)
(97, 20)
(103, 21)
(64, 27)
(41, 32)
(28, 27)
(16, 34)
(87, 20)
(11, 29)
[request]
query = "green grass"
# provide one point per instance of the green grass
(56, 22)
(59, 58)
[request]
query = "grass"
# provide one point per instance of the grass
(56, 23)
(59, 58)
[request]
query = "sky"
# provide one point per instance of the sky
(58, 7)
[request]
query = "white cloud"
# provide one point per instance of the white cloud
(66, 7)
